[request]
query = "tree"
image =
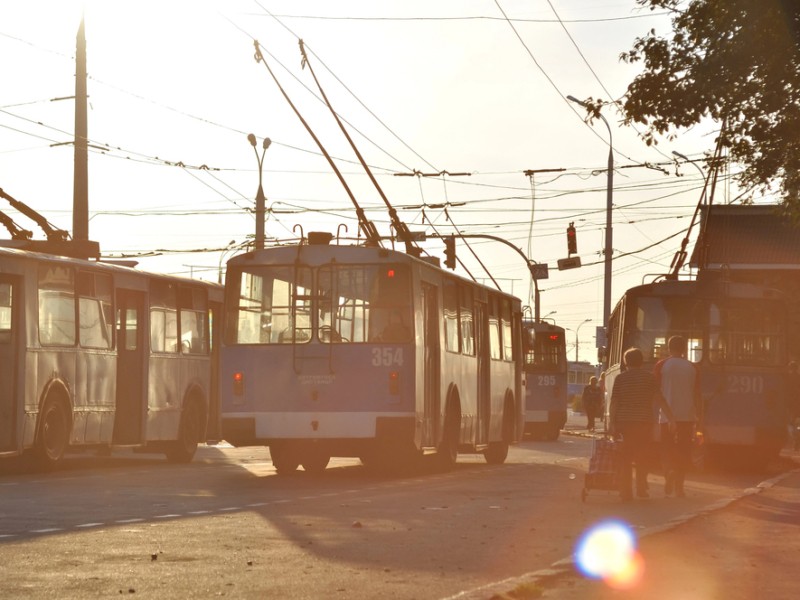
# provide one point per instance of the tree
(738, 63)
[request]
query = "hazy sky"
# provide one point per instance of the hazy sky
(462, 86)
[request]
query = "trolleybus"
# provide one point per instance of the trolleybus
(99, 355)
(545, 379)
(361, 351)
(736, 335)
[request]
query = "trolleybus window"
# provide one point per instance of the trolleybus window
(193, 311)
(57, 319)
(655, 319)
(359, 303)
(95, 312)
(744, 333)
(5, 312)
(505, 319)
(163, 317)
(450, 296)
(495, 347)
(467, 331)
(274, 306)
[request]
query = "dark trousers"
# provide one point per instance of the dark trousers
(637, 443)
(677, 450)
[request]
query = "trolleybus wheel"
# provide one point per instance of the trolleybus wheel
(496, 453)
(53, 435)
(314, 460)
(447, 453)
(189, 434)
(284, 459)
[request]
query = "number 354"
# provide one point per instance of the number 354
(387, 357)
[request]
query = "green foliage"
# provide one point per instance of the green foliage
(738, 63)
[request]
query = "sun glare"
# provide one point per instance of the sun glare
(607, 551)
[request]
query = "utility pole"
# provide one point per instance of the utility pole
(80, 191)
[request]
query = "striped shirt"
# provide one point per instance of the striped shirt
(633, 396)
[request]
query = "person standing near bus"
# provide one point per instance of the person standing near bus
(592, 400)
(634, 399)
(679, 381)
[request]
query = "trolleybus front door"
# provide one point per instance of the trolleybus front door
(431, 349)
(10, 332)
(131, 363)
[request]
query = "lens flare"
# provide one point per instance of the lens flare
(608, 551)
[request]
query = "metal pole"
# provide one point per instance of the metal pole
(609, 204)
(80, 190)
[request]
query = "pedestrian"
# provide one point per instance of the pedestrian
(679, 381)
(592, 400)
(634, 396)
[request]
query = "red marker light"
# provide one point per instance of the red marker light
(238, 383)
(390, 273)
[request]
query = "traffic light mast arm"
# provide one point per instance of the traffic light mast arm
(528, 262)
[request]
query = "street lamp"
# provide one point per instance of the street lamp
(577, 329)
(552, 312)
(609, 234)
(260, 199)
(695, 165)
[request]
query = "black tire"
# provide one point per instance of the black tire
(284, 459)
(314, 461)
(496, 453)
(447, 453)
(189, 436)
(52, 439)
(553, 432)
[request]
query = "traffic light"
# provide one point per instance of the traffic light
(572, 240)
(450, 252)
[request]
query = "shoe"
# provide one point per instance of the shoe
(669, 483)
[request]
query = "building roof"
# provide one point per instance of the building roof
(746, 237)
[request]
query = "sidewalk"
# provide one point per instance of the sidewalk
(747, 549)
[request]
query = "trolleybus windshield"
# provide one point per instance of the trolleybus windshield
(335, 303)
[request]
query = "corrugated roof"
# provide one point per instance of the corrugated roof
(748, 236)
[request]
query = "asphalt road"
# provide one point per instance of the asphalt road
(227, 525)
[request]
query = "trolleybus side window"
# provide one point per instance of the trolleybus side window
(193, 311)
(450, 305)
(163, 317)
(5, 312)
(505, 320)
(465, 317)
(57, 318)
(495, 347)
(95, 311)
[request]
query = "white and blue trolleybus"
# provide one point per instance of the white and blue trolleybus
(361, 351)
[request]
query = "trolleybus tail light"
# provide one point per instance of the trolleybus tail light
(394, 383)
(238, 383)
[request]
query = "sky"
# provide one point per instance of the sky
(452, 104)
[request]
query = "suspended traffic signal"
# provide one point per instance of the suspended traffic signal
(572, 239)
(450, 252)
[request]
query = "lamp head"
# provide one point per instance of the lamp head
(252, 139)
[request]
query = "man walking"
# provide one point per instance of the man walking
(635, 399)
(679, 381)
